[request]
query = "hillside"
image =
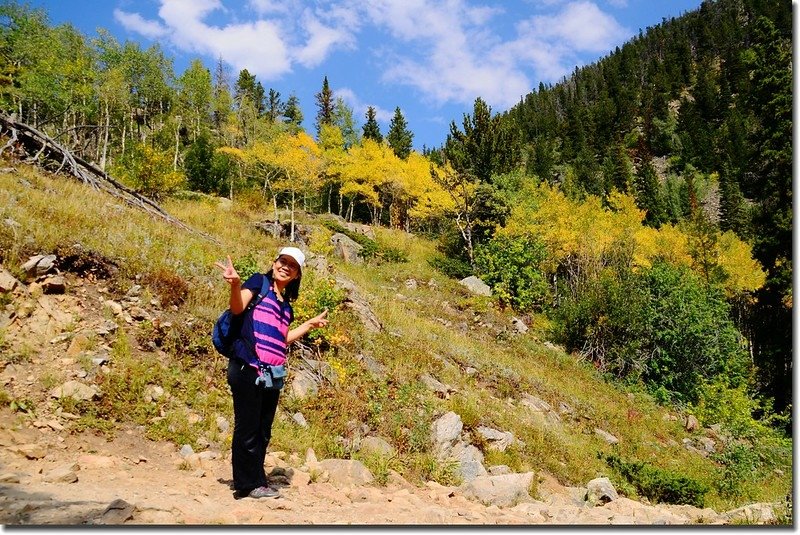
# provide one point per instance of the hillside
(130, 321)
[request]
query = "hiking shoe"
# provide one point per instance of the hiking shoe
(263, 492)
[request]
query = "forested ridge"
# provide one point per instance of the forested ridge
(640, 208)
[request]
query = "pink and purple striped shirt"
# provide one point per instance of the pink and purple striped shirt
(265, 329)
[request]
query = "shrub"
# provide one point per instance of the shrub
(511, 266)
(149, 172)
(453, 267)
(659, 485)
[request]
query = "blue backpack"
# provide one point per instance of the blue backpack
(228, 326)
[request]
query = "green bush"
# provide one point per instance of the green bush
(659, 485)
(692, 336)
(510, 265)
(453, 267)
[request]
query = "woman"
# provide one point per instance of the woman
(265, 335)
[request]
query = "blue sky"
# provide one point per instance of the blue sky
(432, 59)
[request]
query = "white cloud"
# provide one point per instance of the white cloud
(135, 23)
(580, 25)
(360, 107)
(265, 46)
(322, 39)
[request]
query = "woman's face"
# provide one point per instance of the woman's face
(285, 269)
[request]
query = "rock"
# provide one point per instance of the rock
(9, 477)
(376, 446)
(39, 265)
(75, 390)
(502, 491)
(411, 284)
(311, 457)
(346, 249)
(118, 512)
(366, 230)
(347, 472)
(752, 513)
(304, 384)
(153, 393)
(356, 302)
(115, 307)
(470, 461)
(186, 451)
(373, 366)
(140, 314)
(476, 286)
(78, 345)
(56, 285)
(691, 423)
(96, 462)
(439, 388)
(605, 435)
(62, 474)
(7, 281)
(600, 491)
(708, 445)
(299, 419)
(519, 325)
(498, 470)
(444, 431)
(31, 451)
(498, 440)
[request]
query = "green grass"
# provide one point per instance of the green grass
(429, 330)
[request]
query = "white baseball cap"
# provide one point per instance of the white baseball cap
(295, 253)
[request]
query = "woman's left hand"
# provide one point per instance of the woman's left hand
(318, 321)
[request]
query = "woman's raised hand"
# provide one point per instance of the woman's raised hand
(229, 272)
(319, 320)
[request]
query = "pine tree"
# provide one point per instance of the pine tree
(222, 101)
(274, 106)
(293, 114)
(325, 105)
(399, 137)
(648, 195)
(371, 128)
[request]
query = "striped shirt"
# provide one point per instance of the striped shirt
(265, 329)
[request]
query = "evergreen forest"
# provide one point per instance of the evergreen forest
(640, 209)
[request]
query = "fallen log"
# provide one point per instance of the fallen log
(39, 146)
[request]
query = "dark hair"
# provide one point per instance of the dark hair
(292, 290)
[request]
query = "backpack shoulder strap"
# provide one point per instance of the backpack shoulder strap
(265, 283)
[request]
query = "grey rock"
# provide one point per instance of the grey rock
(62, 474)
(75, 390)
(691, 423)
(499, 470)
(504, 490)
(186, 451)
(118, 512)
(7, 281)
(600, 491)
(519, 325)
(299, 419)
(605, 435)
(445, 430)
(476, 285)
(498, 440)
(304, 384)
(39, 265)
(470, 461)
(347, 472)
(376, 446)
(346, 249)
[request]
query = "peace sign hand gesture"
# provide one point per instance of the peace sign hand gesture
(229, 272)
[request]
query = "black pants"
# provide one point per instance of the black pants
(253, 412)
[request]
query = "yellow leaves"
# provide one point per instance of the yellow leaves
(736, 259)
(588, 231)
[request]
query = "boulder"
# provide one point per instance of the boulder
(343, 472)
(476, 286)
(498, 440)
(346, 249)
(502, 491)
(75, 390)
(600, 491)
(7, 281)
(39, 265)
(605, 435)
(470, 461)
(376, 446)
(444, 431)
